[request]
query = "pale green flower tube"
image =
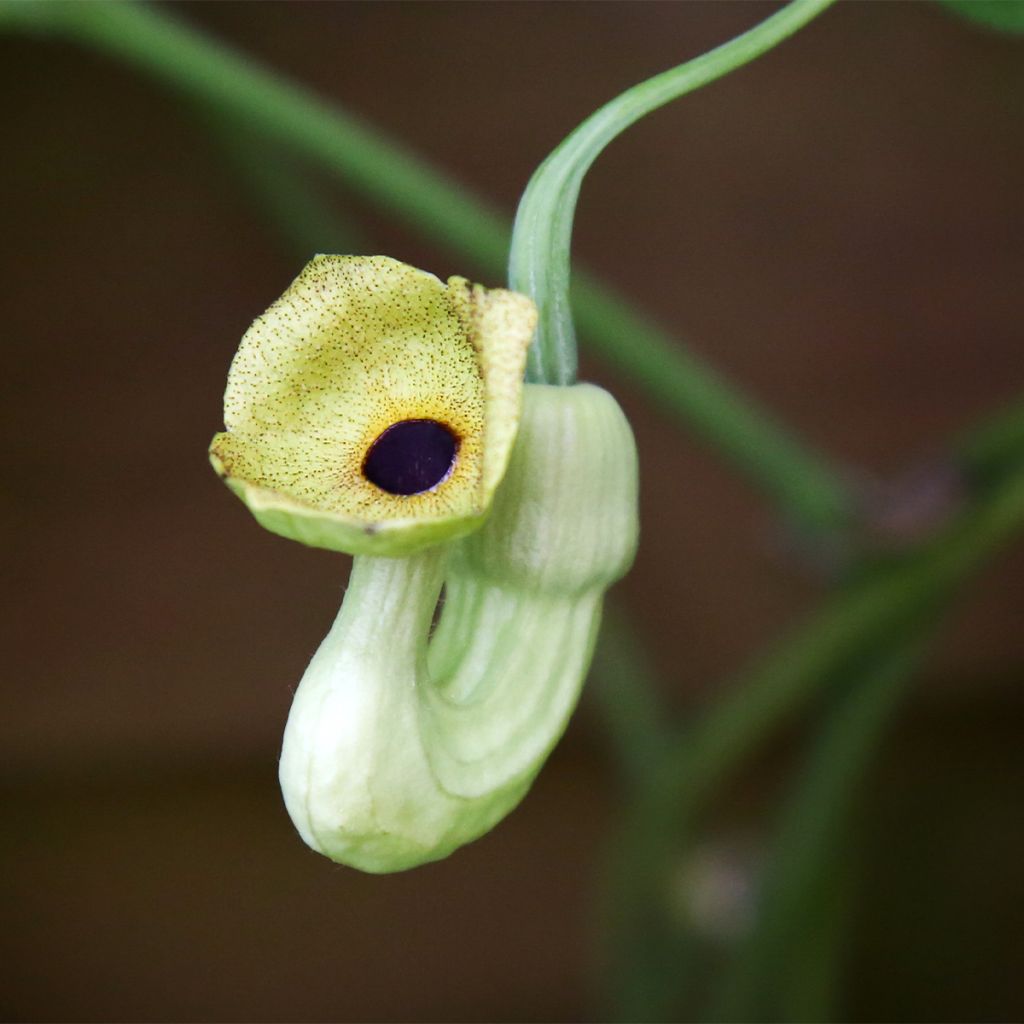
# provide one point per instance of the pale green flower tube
(397, 750)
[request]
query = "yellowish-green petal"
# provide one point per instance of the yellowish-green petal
(353, 347)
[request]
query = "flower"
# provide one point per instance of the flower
(373, 409)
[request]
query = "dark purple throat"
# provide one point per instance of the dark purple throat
(411, 456)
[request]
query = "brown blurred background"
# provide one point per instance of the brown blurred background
(837, 228)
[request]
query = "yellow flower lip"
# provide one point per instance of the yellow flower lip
(372, 409)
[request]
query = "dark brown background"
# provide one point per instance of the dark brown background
(837, 228)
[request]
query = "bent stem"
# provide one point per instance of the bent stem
(542, 236)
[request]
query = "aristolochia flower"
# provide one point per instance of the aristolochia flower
(373, 409)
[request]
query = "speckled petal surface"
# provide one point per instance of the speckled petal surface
(354, 346)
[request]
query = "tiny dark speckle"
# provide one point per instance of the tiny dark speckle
(411, 456)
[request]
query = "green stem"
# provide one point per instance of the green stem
(812, 494)
(623, 685)
(542, 238)
(285, 197)
(781, 971)
(410, 190)
(989, 450)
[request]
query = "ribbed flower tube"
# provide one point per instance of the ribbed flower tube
(400, 746)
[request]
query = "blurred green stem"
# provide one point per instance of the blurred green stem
(784, 970)
(809, 492)
(890, 601)
(282, 193)
(623, 686)
(390, 175)
(988, 451)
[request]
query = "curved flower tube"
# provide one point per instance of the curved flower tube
(397, 750)
(400, 746)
